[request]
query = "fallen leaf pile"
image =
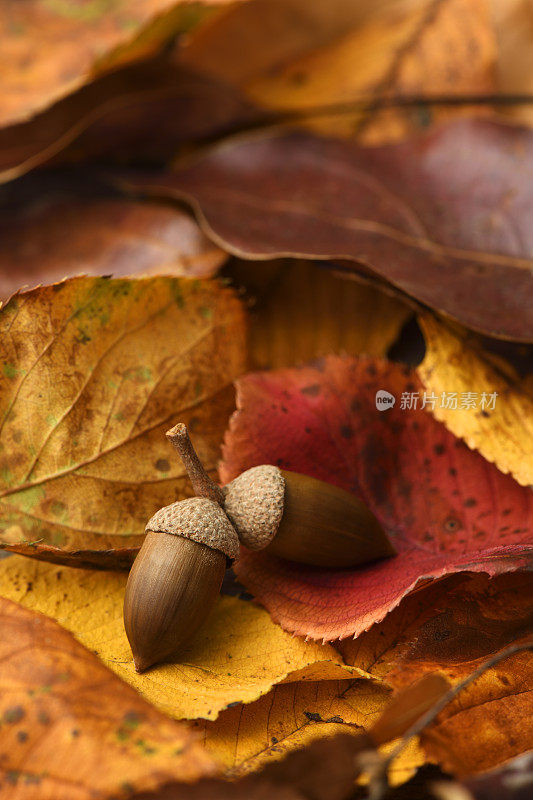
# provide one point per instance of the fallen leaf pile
(303, 230)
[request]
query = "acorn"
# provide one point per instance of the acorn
(290, 515)
(176, 577)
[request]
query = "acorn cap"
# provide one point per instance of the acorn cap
(254, 503)
(199, 519)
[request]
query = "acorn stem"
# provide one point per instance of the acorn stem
(200, 480)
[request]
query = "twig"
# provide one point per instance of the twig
(200, 480)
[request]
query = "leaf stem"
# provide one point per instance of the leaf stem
(200, 480)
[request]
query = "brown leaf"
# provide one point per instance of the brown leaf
(490, 721)
(448, 229)
(453, 627)
(52, 49)
(145, 111)
(107, 234)
(70, 728)
(94, 372)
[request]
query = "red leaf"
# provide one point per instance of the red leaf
(447, 228)
(445, 508)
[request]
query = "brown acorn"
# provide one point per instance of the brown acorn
(176, 577)
(291, 515)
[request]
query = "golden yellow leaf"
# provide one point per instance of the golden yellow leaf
(385, 48)
(236, 657)
(514, 37)
(455, 363)
(94, 372)
(246, 738)
(302, 312)
(72, 729)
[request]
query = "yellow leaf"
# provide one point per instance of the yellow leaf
(386, 48)
(94, 372)
(514, 35)
(302, 312)
(237, 656)
(454, 362)
(246, 738)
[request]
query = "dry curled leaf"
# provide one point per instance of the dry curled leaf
(53, 48)
(424, 216)
(108, 234)
(72, 729)
(94, 372)
(445, 508)
(237, 656)
(456, 364)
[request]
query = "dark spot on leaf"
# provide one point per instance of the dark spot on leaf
(162, 465)
(452, 471)
(313, 716)
(507, 511)
(439, 449)
(14, 714)
(274, 740)
(470, 502)
(335, 719)
(452, 524)
(505, 680)
(371, 370)
(22, 736)
(346, 431)
(131, 719)
(43, 718)
(485, 413)
(312, 391)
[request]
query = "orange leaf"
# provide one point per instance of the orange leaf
(70, 728)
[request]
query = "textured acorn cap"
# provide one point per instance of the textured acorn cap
(254, 503)
(200, 520)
